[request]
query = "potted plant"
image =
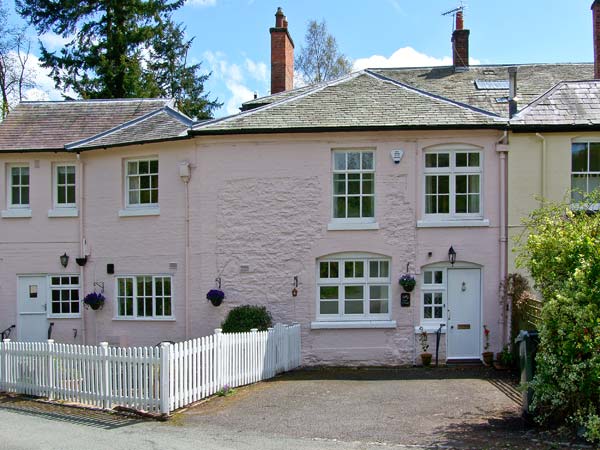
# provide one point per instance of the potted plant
(488, 357)
(408, 282)
(504, 359)
(215, 296)
(425, 356)
(94, 300)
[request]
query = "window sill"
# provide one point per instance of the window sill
(139, 212)
(335, 226)
(432, 328)
(63, 212)
(144, 319)
(352, 325)
(64, 316)
(453, 223)
(16, 213)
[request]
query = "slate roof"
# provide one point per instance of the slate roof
(532, 81)
(358, 101)
(33, 126)
(568, 103)
(163, 124)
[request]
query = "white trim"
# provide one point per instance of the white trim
(346, 172)
(135, 317)
(145, 319)
(9, 200)
(453, 223)
(138, 212)
(343, 225)
(15, 213)
(325, 325)
(127, 179)
(63, 212)
(430, 328)
(66, 185)
(49, 302)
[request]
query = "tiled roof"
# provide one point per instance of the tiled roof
(358, 101)
(52, 125)
(165, 123)
(568, 103)
(532, 81)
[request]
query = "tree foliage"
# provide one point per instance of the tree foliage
(119, 49)
(561, 249)
(15, 76)
(320, 59)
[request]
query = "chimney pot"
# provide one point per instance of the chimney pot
(460, 23)
(282, 55)
(512, 91)
(596, 32)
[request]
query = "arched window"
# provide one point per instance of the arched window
(353, 286)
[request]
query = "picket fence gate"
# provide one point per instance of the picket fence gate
(155, 379)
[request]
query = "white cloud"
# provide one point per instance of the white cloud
(202, 3)
(405, 57)
(53, 41)
(232, 77)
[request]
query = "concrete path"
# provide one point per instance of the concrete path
(343, 409)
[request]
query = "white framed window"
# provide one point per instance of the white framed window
(433, 297)
(141, 183)
(452, 184)
(65, 189)
(353, 287)
(353, 186)
(64, 296)
(144, 297)
(18, 186)
(585, 168)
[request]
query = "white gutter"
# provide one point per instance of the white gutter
(502, 149)
(185, 174)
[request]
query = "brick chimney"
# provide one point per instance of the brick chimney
(596, 31)
(460, 44)
(282, 55)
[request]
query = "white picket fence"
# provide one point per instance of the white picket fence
(155, 379)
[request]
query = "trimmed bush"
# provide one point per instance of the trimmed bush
(243, 318)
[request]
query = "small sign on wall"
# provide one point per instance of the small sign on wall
(405, 299)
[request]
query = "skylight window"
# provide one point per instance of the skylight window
(488, 85)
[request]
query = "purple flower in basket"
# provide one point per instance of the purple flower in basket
(408, 282)
(94, 300)
(215, 296)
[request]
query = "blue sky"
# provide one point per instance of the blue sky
(232, 36)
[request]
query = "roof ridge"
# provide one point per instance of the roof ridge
(535, 101)
(316, 88)
(97, 100)
(483, 66)
(431, 95)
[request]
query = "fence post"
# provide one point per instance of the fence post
(165, 356)
(105, 377)
(50, 370)
(253, 347)
(5, 368)
(219, 357)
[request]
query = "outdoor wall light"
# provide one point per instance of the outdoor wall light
(452, 255)
(64, 259)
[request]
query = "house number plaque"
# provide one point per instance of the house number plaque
(405, 299)
(464, 326)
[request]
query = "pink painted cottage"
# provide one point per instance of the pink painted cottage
(312, 201)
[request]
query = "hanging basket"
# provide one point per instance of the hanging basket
(94, 301)
(215, 296)
(407, 282)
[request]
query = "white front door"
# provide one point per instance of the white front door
(464, 312)
(32, 324)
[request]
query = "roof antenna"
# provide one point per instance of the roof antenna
(453, 13)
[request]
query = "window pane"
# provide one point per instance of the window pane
(145, 182)
(427, 313)
(328, 307)
(437, 312)
(374, 269)
(579, 158)
(578, 185)
(60, 175)
(444, 184)
(367, 161)
(349, 269)
(474, 159)
(339, 160)
(473, 203)
(368, 209)
(461, 160)
(15, 197)
(25, 195)
(378, 307)
(431, 160)
(473, 184)
(353, 183)
(353, 307)
(378, 292)
(384, 269)
(144, 166)
(323, 270)
(134, 197)
(132, 168)
(427, 277)
(439, 277)
(461, 184)
(61, 195)
(430, 204)
(167, 306)
(353, 292)
(367, 185)
(359, 269)
(144, 197)
(339, 183)
(353, 161)
(443, 160)
(428, 298)
(328, 293)
(333, 269)
(339, 207)
(353, 206)
(437, 298)
(431, 184)
(154, 166)
(71, 194)
(595, 157)
(154, 196)
(443, 204)
(461, 204)
(593, 182)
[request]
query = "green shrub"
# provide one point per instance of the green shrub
(243, 318)
(562, 252)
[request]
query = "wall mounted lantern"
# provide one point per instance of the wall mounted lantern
(452, 255)
(64, 259)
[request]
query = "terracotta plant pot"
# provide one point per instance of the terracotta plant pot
(488, 358)
(426, 359)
